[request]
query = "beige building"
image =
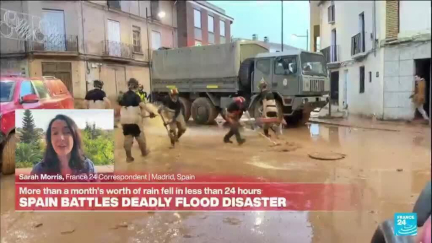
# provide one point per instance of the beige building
(80, 41)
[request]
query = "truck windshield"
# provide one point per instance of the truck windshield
(313, 64)
(6, 91)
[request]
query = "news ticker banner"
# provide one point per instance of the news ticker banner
(193, 196)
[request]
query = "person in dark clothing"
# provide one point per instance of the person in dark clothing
(96, 98)
(131, 120)
(172, 108)
(269, 108)
(234, 112)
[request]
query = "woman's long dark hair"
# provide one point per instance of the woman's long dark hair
(77, 159)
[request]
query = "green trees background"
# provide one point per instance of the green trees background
(98, 144)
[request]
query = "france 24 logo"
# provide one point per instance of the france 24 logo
(405, 224)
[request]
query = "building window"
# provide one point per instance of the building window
(136, 31)
(210, 24)
(197, 25)
(331, 13)
(362, 32)
(156, 40)
(55, 33)
(113, 45)
(154, 10)
(211, 30)
(317, 43)
(114, 4)
(222, 28)
(362, 79)
(197, 19)
(370, 77)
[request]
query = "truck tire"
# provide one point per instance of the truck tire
(245, 72)
(257, 110)
(8, 155)
(203, 111)
(186, 108)
(299, 118)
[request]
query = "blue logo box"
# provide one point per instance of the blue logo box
(405, 224)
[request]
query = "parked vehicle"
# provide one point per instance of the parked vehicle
(18, 92)
(208, 77)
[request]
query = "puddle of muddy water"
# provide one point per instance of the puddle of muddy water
(275, 165)
(251, 227)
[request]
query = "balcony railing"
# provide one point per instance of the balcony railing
(357, 44)
(55, 43)
(117, 49)
(331, 53)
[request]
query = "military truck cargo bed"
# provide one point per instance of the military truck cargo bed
(212, 68)
(230, 84)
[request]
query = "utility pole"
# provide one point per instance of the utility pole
(149, 52)
(307, 40)
(282, 43)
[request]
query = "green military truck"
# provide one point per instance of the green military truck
(208, 77)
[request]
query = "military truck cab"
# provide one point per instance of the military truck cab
(297, 78)
(209, 77)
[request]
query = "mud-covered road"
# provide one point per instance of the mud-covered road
(389, 168)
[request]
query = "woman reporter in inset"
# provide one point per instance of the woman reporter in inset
(64, 153)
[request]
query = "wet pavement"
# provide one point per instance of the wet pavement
(389, 168)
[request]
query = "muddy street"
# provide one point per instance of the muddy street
(389, 168)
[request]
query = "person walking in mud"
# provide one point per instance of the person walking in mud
(269, 108)
(172, 109)
(131, 116)
(96, 98)
(419, 96)
(234, 111)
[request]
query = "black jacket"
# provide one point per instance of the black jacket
(170, 104)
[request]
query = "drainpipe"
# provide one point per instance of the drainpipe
(172, 23)
(374, 28)
(148, 53)
(83, 43)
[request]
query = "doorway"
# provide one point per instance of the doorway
(334, 82)
(114, 78)
(423, 69)
(345, 91)
(60, 70)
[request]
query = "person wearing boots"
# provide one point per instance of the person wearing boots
(131, 116)
(172, 109)
(96, 98)
(269, 108)
(419, 96)
(234, 112)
